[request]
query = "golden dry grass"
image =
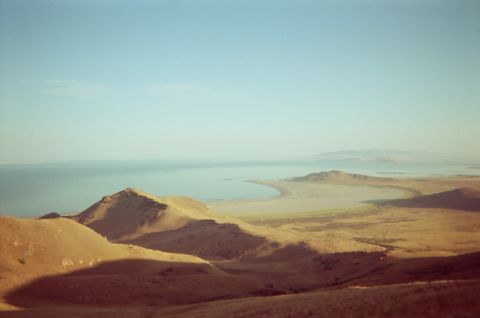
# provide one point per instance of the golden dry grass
(375, 260)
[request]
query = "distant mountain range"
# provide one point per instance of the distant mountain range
(379, 155)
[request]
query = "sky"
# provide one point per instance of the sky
(110, 80)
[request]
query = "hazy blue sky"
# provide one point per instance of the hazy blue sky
(236, 79)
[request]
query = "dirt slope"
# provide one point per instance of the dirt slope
(174, 224)
(59, 261)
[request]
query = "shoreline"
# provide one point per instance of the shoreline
(409, 187)
(336, 192)
(303, 197)
(282, 191)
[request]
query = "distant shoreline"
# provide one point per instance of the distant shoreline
(282, 191)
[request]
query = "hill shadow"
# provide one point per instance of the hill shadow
(131, 282)
(298, 268)
(204, 238)
(291, 269)
(458, 199)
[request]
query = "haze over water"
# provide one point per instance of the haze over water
(138, 80)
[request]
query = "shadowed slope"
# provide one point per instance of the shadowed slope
(175, 224)
(290, 270)
(205, 238)
(458, 199)
(133, 282)
(416, 300)
(130, 213)
(52, 261)
(296, 268)
(35, 248)
(419, 300)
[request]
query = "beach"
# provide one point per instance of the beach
(307, 197)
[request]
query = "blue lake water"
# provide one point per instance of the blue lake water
(36, 189)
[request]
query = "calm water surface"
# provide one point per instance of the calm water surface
(36, 189)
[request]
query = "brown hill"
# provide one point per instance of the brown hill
(131, 213)
(458, 199)
(57, 263)
(175, 224)
(340, 177)
(47, 261)
(290, 270)
(34, 248)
